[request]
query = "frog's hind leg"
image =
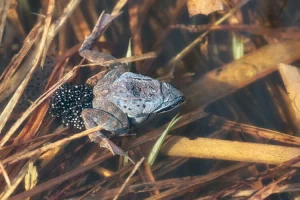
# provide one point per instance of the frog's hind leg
(93, 117)
(101, 57)
(85, 50)
(86, 47)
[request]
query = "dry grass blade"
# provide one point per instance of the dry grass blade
(265, 174)
(176, 192)
(144, 56)
(269, 189)
(14, 17)
(7, 180)
(16, 181)
(229, 78)
(290, 32)
(129, 54)
(118, 7)
(129, 177)
(33, 106)
(4, 5)
(53, 30)
(229, 150)
(10, 106)
(48, 19)
(151, 186)
(17, 59)
(53, 182)
(291, 76)
(283, 187)
(254, 131)
(31, 177)
(134, 22)
(63, 131)
(21, 156)
(200, 38)
(187, 118)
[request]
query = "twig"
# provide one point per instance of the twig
(5, 175)
(129, 177)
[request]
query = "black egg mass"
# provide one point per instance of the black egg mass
(67, 103)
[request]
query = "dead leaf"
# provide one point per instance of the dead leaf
(204, 7)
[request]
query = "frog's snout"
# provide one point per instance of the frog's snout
(172, 98)
(182, 99)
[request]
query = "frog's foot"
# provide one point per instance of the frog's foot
(112, 135)
(93, 117)
(85, 50)
(108, 144)
(113, 148)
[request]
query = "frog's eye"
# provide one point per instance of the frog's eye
(135, 89)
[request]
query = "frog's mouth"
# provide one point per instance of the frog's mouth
(180, 101)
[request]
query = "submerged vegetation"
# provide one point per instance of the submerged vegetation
(237, 135)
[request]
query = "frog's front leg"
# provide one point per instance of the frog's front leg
(93, 117)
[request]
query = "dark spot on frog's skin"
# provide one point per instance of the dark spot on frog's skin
(136, 91)
(125, 107)
(144, 106)
(129, 108)
(138, 105)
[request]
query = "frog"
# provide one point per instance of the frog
(122, 100)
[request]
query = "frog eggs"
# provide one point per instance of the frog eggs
(67, 103)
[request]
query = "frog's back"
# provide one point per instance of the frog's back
(135, 94)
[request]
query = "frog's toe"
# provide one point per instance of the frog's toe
(113, 148)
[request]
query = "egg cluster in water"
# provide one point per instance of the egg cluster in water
(67, 103)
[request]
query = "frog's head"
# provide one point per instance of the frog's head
(172, 98)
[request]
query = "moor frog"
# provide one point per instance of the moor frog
(122, 99)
